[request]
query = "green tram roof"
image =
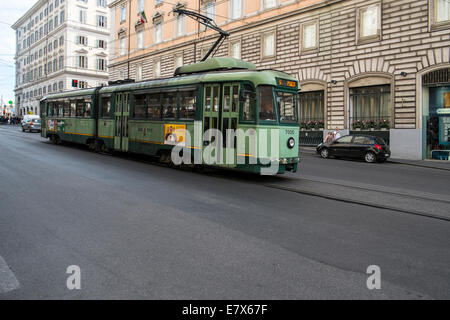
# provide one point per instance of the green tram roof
(69, 94)
(215, 64)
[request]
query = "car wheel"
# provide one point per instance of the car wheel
(324, 153)
(23, 130)
(370, 157)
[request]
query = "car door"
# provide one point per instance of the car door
(359, 146)
(341, 147)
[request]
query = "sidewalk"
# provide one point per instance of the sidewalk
(432, 164)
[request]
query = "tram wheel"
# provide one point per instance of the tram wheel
(54, 139)
(103, 148)
(92, 145)
(165, 158)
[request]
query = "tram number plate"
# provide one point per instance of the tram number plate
(290, 131)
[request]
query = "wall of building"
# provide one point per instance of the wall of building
(68, 49)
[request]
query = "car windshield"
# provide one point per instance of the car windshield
(287, 106)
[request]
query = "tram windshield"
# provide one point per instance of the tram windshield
(266, 109)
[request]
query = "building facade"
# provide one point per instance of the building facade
(374, 66)
(61, 45)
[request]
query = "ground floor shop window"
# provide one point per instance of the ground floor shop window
(438, 123)
(370, 108)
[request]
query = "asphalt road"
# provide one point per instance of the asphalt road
(142, 231)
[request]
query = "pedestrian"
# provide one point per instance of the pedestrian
(329, 138)
(336, 134)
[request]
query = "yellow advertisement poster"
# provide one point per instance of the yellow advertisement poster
(175, 134)
(447, 100)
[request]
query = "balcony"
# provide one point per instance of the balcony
(370, 123)
(374, 126)
(311, 131)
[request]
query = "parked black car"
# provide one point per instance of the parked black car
(369, 148)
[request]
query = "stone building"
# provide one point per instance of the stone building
(60, 45)
(375, 66)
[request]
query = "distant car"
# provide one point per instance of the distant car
(28, 117)
(369, 148)
(32, 125)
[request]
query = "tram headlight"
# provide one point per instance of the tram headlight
(291, 143)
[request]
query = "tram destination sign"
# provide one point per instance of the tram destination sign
(287, 83)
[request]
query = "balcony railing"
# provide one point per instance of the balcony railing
(370, 123)
(312, 124)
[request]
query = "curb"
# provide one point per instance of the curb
(418, 165)
(395, 161)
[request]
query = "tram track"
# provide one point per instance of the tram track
(362, 203)
(251, 179)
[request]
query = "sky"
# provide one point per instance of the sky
(10, 12)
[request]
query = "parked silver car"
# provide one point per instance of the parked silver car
(32, 125)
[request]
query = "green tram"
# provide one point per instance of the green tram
(151, 117)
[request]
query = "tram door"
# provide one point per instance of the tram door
(230, 115)
(121, 115)
(43, 116)
(211, 118)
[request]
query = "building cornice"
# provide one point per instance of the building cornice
(116, 2)
(28, 14)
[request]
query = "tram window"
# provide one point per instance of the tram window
(224, 131)
(106, 106)
(267, 111)
(50, 109)
(80, 108)
(140, 106)
(206, 124)
(73, 107)
(87, 109)
(208, 99)
(188, 104)
(55, 109)
(154, 106)
(216, 99)
(66, 108)
(249, 104)
(169, 105)
(235, 101)
(226, 98)
(61, 108)
(287, 106)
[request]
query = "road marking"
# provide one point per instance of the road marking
(8, 280)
